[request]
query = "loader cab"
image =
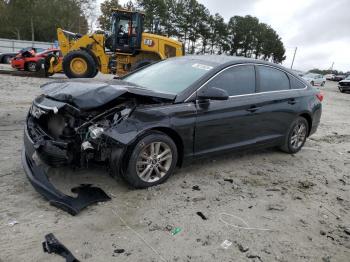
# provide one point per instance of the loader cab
(127, 28)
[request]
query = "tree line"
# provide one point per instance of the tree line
(186, 20)
(328, 71)
(38, 20)
(202, 32)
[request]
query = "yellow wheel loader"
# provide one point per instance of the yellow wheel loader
(124, 49)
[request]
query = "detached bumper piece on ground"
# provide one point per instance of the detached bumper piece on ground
(52, 245)
(37, 176)
(87, 194)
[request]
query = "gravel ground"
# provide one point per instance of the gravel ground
(297, 206)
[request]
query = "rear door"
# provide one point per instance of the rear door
(227, 124)
(278, 103)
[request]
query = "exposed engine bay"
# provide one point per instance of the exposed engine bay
(76, 123)
(69, 121)
(73, 137)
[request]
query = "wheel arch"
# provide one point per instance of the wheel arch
(164, 130)
(308, 118)
(177, 140)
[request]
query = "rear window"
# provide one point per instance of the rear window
(272, 79)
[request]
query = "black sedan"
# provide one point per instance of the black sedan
(145, 124)
(344, 85)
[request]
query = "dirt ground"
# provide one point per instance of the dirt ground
(296, 206)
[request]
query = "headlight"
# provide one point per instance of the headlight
(95, 131)
(36, 111)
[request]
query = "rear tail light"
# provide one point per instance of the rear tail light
(320, 96)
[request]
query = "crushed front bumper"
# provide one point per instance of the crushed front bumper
(86, 194)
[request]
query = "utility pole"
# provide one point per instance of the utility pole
(295, 52)
(332, 66)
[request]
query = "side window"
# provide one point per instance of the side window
(238, 80)
(272, 79)
(297, 84)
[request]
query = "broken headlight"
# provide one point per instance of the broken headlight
(95, 131)
(36, 111)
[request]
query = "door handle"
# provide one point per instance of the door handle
(253, 109)
(292, 101)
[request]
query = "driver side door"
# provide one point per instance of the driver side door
(227, 124)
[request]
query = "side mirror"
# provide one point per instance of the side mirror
(212, 93)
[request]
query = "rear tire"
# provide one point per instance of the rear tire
(296, 136)
(6, 59)
(79, 64)
(149, 167)
(32, 67)
(95, 74)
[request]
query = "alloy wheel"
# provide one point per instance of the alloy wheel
(154, 161)
(298, 136)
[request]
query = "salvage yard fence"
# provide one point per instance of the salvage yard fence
(11, 45)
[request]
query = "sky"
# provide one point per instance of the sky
(319, 28)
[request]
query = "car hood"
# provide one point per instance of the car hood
(87, 94)
(345, 81)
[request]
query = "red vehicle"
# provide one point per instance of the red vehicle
(31, 61)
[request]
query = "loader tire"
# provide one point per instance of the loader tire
(79, 64)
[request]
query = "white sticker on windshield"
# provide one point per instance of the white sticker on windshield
(203, 67)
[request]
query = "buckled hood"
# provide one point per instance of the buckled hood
(87, 94)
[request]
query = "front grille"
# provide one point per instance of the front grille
(46, 147)
(53, 155)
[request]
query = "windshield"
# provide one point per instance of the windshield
(170, 76)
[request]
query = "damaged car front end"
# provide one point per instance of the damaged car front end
(77, 122)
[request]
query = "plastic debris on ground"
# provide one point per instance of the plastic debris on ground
(226, 244)
(175, 231)
(12, 223)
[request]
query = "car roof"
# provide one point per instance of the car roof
(225, 59)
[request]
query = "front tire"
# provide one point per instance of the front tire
(152, 160)
(79, 64)
(296, 136)
(341, 90)
(312, 83)
(323, 83)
